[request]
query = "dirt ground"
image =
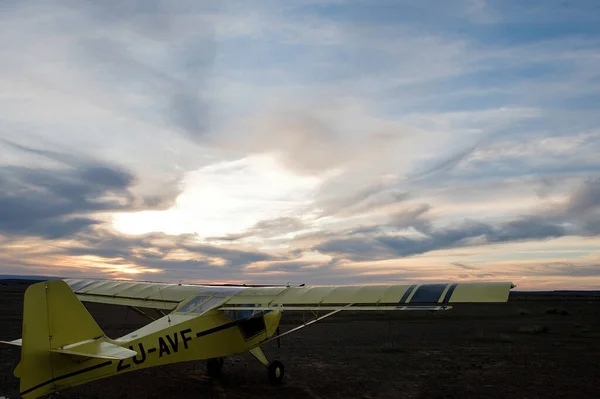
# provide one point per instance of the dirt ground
(535, 346)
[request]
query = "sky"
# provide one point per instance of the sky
(317, 142)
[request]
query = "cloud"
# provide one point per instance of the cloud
(361, 201)
(233, 257)
(58, 202)
(185, 99)
(35, 202)
(379, 246)
(586, 199)
(447, 164)
(106, 254)
(159, 250)
(415, 217)
(290, 266)
(463, 266)
(583, 208)
(564, 269)
(527, 228)
(278, 226)
(314, 136)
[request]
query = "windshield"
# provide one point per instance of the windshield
(201, 304)
(241, 314)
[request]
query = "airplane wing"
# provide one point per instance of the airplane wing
(131, 293)
(162, 296)
(354, 297)
(365, 297)
(334, 299)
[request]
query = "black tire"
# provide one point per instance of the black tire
(214, 366)
(276, 372)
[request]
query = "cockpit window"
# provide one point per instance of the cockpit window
(201, 304)
(195, 302)
(207, 305)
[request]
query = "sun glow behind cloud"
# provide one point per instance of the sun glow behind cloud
(227, 198)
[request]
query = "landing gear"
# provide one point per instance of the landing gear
(276, 372)
(275, 369)
(214, 366)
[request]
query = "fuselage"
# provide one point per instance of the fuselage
(180, 337)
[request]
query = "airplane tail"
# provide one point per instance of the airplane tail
(62, 344)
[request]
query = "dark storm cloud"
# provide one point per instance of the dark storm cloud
(582, 210)
(577, 216)
(379, 247)
(592, 227)
(105, 177)
(60, 202)
(527, 228)
(51, 203)
(354, 248)
(586, 198)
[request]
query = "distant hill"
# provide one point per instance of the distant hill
(27, 277)
(558, 294)
(561, 292)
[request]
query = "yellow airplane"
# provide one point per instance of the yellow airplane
(63, 346)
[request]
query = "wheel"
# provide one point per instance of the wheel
(276, 372)
(214, 366)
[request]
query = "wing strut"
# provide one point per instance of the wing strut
(308, 323)
(140, 311)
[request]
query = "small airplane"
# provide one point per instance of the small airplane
(63, 346)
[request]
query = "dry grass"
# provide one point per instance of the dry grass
(534, 329)
(391, 347)
(495, 337)
(560, 311)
